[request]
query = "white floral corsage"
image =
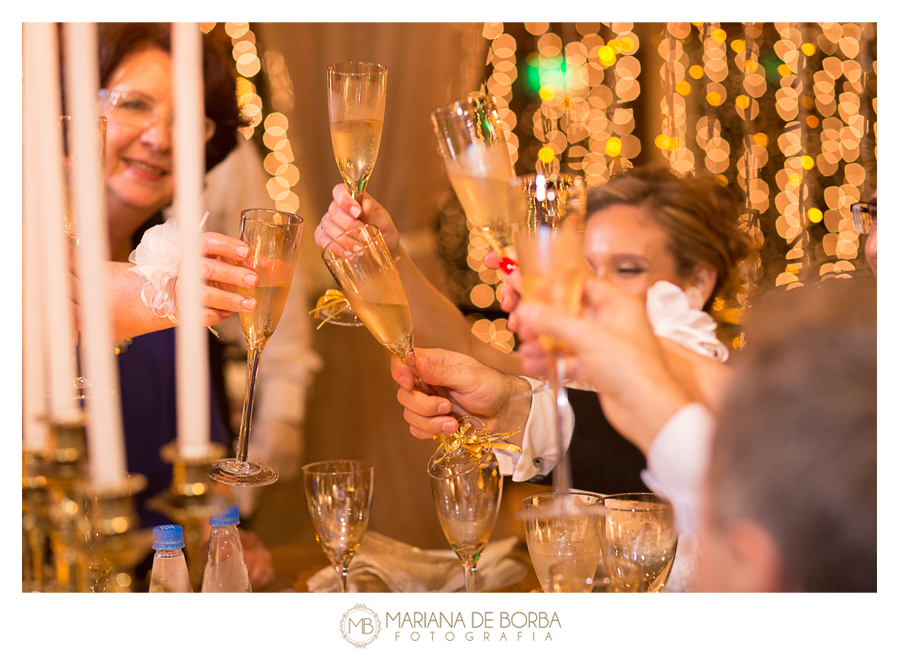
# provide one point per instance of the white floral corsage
(156, 259)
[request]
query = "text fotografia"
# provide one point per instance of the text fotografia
(478, 626)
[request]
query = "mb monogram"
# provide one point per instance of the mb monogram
(360, 625)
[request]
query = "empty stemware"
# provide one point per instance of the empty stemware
(467, 500)
(338, 496)
(563, 536)
(638, 541)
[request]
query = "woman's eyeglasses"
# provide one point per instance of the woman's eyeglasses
(132, 108)
(865, 216)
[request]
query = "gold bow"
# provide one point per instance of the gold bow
(477, 442)
(333, 300)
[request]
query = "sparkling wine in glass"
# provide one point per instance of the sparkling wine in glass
(563, 537)
(547, 214)
(472, 141)
(338, 496)
(274, 240)
(356, 92)
(638, 541)
(363, 267)
(467, 500)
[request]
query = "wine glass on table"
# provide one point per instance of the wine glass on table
(356, 92)
(564, 547)
(338, 496)
(274, 240)
(467, 500)
(472, 141)
(547, 220)
(638, 541)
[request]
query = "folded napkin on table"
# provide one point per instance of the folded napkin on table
(383, 564)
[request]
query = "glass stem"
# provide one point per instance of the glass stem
(253, 357)
(562, 478)
(342, 573)
(469, 566)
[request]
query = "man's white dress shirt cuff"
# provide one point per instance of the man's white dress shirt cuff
(677, 462)
(539, 451)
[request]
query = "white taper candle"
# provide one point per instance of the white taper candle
(106, 445)
(192, 362)
(34, 407)
(42, 60)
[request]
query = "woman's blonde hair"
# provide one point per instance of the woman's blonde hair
(698, 215)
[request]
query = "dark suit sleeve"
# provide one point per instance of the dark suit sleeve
(602, 459)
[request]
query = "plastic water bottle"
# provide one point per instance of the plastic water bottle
(225, 570)
(170, 572)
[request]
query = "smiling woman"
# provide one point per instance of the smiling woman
(137, 97)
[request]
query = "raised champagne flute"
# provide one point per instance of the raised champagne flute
(362, 265)
(564, 547)
(274, 240)
(467, 500)
(338, 496)
(356, 92)
(472, 141)
(547, 214)
(638, 541)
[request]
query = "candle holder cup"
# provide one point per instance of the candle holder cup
(35, 524)
(62, 465)
(190, 501)
(108, 557)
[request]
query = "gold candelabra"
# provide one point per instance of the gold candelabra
(110, 552)
(190, 501)
(89, 530)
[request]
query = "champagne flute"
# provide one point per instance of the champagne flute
(356, 92)
(472, 142)
(363, 267)
(338, 496)
(274, 240)
(562, 532)
(547, 220)
(467, 500)
(638, 541)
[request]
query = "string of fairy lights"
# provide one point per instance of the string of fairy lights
(273, 121)
(785, 112)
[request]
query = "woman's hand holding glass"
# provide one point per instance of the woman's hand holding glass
(223, 276)
(346, 213)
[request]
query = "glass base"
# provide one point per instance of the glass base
(248, 474)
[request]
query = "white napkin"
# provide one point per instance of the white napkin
(673, 316)
(387, 565)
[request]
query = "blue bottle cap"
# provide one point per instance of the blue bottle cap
(168, 537)
(228, 516)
